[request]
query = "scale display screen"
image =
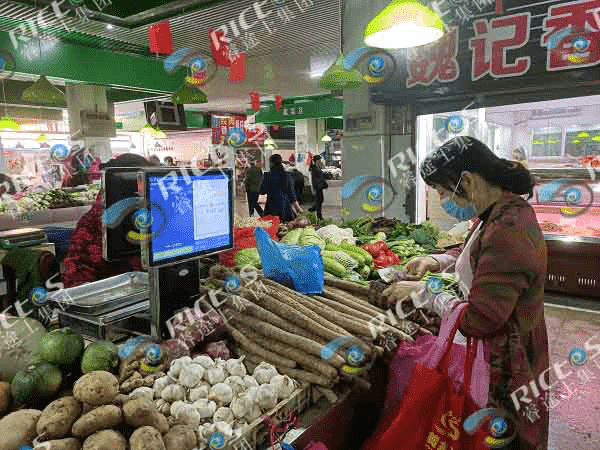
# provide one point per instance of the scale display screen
(188, 214)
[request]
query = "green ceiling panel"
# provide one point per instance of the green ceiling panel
(90, 65)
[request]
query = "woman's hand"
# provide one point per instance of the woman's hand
(419, 266)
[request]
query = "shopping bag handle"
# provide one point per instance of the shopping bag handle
(443, 363)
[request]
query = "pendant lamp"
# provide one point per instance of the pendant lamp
(338, 77)
(326, 138)
(8, 123)
(596, 138)
(43, 92)
(187, 94)
(583, 134)
(148, 130)
(404, 24)
(159, 134)
(42, 138)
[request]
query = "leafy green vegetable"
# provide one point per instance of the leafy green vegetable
(248, 257)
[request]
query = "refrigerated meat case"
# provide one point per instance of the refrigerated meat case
(567, 205)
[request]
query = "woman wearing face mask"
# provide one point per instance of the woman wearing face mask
(501, 269)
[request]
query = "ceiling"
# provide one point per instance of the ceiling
(280, 64)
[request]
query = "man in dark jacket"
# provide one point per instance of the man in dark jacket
(254, 178)
(319, 185)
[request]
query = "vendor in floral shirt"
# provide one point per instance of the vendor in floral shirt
(84, 262)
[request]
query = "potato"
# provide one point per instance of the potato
(141, 412)
(5, 397)
(18, 429)
(101, 418)
(146, 438)
(181, 437)
(105, 440)
(60, 444)
(58, 417)
(96, 388)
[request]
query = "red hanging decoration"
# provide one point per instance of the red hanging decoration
(255, 100)
(219, 46)
(237, 71)
(278, 102)
(161, 39)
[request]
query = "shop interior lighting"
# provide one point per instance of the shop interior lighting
(326, 138)
(596, 138)
(583, 134)
(404, 24)
(42, 138)
(575, 141)
(43, 92)
(109, 27)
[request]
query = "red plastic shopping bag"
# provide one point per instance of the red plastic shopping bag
(428, 350)
(432, 412)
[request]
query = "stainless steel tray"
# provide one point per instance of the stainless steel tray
(100, 297)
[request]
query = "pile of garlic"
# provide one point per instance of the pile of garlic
(217, 396)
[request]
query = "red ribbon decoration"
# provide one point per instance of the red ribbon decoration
(161, 39)
(278, 102)
(255, 100)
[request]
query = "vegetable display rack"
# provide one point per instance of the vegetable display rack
(257, 434)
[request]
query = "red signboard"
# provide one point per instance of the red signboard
(221, 124)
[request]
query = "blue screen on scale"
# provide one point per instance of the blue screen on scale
(195, 211)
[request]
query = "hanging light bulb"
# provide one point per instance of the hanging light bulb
(8, 123)
(404, 24)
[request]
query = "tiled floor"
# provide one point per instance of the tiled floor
(575, 421)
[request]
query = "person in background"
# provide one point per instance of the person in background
(298, 180)
(519, 155)
(254, 178)
(278, 187)
(154, 160)
(83, 261)
(319, 184)
(501, 269)
(169, 161)
(77, 166)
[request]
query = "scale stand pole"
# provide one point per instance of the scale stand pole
(155, 325)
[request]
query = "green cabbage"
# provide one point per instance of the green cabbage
(248, 257)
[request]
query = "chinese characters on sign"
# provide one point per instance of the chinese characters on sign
(434, 62)
(492, 41)
(570, 35)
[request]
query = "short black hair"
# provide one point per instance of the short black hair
(445, 166)
(127, 160)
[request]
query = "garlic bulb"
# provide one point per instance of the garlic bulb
(266, 397)
(221, 393)
(241, 405)
(199, 392)
(173, 392)
(190, 376)
(177, 365)
(160, 384)
(176, 407)
(205, 407)
(225, 429)
(203, 360)
(236, 367)
(264, 373)
(237, 384)
(146, 392)
(162, 407)
(284, 386)
(253, 413)
(250, 381)
(215, 375)
(223, 414)
(187, 415)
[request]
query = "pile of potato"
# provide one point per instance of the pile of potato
(96, 417)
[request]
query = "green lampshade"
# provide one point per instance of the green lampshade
(404, 24)
(575, 141)
(596, 138)
(583, 134)
(148, 130)
(42, 138)
(187, 94)
(43, 92)
(159, 134)
(338, 77)
(8, 123)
